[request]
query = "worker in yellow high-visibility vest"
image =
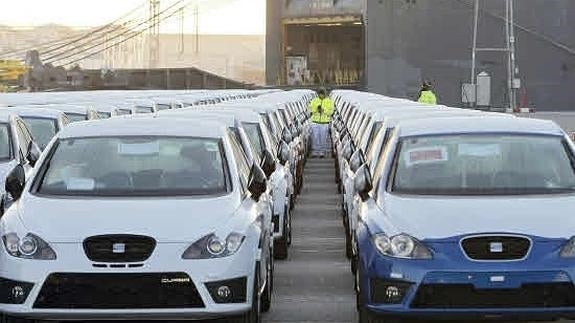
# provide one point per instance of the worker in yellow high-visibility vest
(321, 109)
(426, 96)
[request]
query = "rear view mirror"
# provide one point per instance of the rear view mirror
(362, 182)
(33, 154)
(257, 184)
(347, 150)
(15, 182)
(268, 163)
(287, 135)
(283, 152)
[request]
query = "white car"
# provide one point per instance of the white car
(171, 225)
(43, 123)
(468, 218)
(272, 157)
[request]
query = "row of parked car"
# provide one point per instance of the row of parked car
(452, 213)
(175, 213)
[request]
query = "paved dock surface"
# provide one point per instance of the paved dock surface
(315, 283)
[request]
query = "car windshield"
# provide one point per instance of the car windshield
(5, 142)
(255, 136)
(162, 106)
(144, 109)
(43, 130)
(104, 115)
(122, 112)
(135, 166)
(75, 117)
(484, 165)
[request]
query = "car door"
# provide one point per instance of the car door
(263, 205)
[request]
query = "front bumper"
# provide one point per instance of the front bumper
(540, 286)
(165, 264)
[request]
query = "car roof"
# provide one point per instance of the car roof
(6, 115)
(476, 124)
(69, 108)
(152, 126)
(36, 111)
(242, 114)
(187, 113)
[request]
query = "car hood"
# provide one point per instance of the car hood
(62, 220)
(443, 217)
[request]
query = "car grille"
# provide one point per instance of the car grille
(119, 248)
(118, 291)
(496, 247)
(458, 296)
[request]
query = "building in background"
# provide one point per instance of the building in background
(391, 46)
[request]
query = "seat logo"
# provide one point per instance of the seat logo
(175, 280)
(119, 248)
(496, 247)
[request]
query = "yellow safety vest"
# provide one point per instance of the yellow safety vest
(427, 97)
(324, 114)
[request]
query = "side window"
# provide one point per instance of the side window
(378, 184)
(24, 138)
(241, 161)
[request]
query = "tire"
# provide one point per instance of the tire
(288, 212)
(266, 299)
(281, 245)
(253, 316)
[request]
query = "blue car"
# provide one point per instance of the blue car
(468, 218)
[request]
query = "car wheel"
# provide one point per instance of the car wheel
(253, 316)
(354, 258)
(288, 212)
(281, 244)
(266, 299)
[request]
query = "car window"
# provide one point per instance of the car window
(135, 166)
(163, 106)
(241, 161)
(75, 117)
(5, 142)
(122, 112)
(483, 165)
(104, 115)
(140, 109)
(43, 129)
(24, 138)
(255, 136)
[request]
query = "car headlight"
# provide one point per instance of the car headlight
(401, 246)
(29, 247)
(212, 246)
(568, 250)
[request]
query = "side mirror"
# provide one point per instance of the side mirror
(362, 182)
(257, 184)
(268, 163)
(283, 152)
(356, 160)
(287, 135)
(33, 154)
(347, 150)
(15, 182)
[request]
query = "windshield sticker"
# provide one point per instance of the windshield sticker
(151, 148)
(80, 184)
(211, 146)
(426, 155)
(479, 150)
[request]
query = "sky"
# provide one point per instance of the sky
(216, 16)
